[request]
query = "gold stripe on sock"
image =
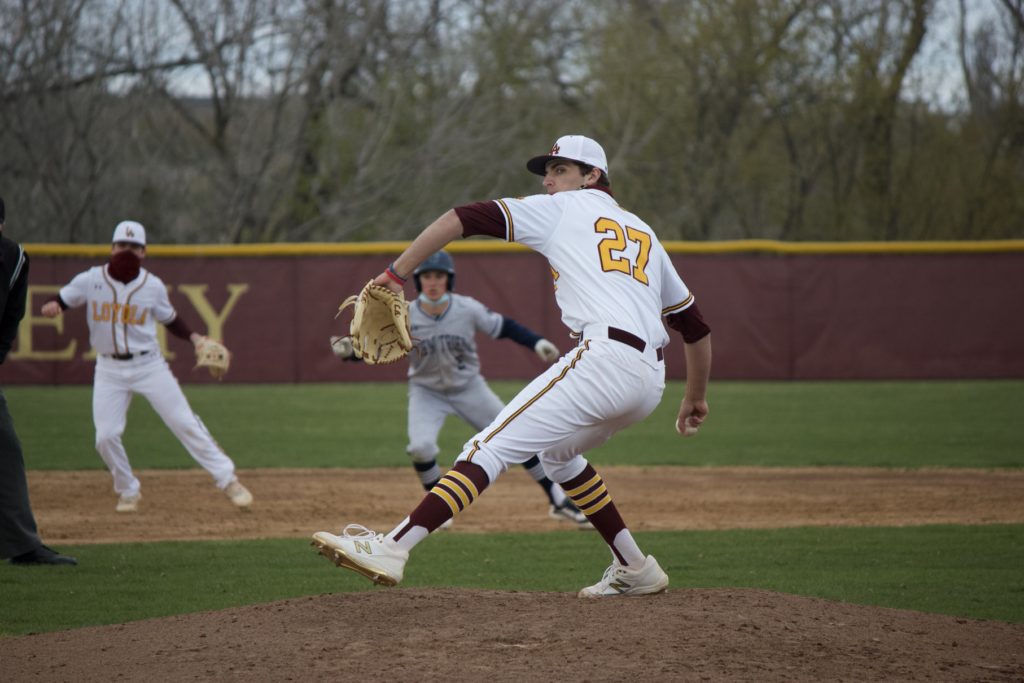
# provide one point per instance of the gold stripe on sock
(470, 486)
(596, 506)
(582, 489)
(586, 500)
(451, 486)
(447, 498)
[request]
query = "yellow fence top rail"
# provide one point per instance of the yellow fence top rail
(493, 246)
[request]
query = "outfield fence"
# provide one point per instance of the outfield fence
(903, 310)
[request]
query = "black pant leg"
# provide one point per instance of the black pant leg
(18, 532)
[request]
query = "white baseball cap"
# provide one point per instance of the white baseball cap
(574, 148)
(129, 231)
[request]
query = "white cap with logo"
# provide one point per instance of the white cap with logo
(574, 148)
(129, 231)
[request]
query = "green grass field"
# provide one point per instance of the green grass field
(799, 424)
(964, 571)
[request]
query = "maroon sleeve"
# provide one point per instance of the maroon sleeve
(690, 323)
(179, 328)
(482, 218)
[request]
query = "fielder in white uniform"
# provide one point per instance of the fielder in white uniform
(124, 302)
(615, 285)
(444, 373)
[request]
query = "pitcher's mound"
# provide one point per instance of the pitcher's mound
(466, 635)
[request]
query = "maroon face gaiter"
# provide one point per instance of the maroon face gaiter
(124, 266)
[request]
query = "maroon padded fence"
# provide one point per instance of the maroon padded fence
(792, 316)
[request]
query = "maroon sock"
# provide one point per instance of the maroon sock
(589, 493)
(454, 493)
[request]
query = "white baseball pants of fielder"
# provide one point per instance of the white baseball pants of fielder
(595, 390)
(116, 381)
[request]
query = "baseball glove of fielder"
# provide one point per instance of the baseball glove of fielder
(380, 325)
(213, 356)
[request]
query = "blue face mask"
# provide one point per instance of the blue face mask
(427, 300)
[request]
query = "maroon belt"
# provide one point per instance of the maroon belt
(630, 339)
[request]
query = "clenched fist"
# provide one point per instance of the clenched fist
(547, 351)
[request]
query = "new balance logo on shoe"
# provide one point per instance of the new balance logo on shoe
(365, 552)
(647, 579)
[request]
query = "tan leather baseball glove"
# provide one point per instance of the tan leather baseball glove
(213, 356)
(380, 324)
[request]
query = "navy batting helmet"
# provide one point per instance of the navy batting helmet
(439, 261)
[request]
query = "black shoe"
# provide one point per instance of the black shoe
(567, 512)
(43, 555)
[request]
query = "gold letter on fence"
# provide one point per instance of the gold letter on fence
(214, 322)
(31, 321)
(196, 294)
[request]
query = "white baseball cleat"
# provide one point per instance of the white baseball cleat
(238, 494)
(364, 552)
(128, 503)
(646, 579)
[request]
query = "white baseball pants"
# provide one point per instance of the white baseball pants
(592, 392)
(116, 381)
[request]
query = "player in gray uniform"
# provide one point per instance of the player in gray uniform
(444, 373)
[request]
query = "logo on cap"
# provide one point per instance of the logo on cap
(130, 232)
(555, 149)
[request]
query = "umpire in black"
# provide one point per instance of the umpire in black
(19, 537)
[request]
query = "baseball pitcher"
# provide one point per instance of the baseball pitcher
(616, 289)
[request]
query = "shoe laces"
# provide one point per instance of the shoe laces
(615, 569)
(360, 531)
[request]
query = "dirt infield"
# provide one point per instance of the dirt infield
(465, 635)
(78, 507)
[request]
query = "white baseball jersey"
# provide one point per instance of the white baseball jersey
(608, 265)
(122, 320)
(122, 317)
(610, 271)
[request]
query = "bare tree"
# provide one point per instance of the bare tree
(681, 97)
(254, 120)
(418, 109)
(227, 137)
(992, 60)
(1015, 10)
(56, 153)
